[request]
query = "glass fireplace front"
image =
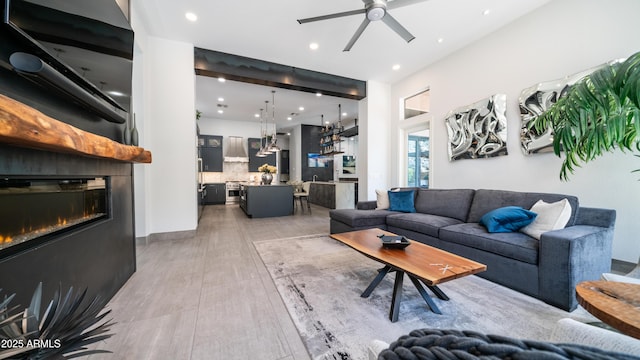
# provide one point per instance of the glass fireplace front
(32, 209)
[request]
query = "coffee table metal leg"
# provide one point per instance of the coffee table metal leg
(381, 274)
(439, 293)
(397, 296)
(425, 296)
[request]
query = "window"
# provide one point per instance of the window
(418, 159)
(417, 104)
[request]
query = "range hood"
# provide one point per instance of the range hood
(235, 150)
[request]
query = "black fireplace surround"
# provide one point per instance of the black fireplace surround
(98, 255)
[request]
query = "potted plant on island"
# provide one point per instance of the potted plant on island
(267, 171)
(599, 114)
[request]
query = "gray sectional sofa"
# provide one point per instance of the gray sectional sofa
(548, 268)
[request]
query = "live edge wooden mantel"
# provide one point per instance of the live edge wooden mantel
(24, 126)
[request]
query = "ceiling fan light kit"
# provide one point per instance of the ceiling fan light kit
(374, 10)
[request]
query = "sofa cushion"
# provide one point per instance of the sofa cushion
(423, 223)
(360, 218)
(507, 219)
(453, 203)
(551, 216)
(486, 200)
(382, 199)
(515, 245)
(402, 201)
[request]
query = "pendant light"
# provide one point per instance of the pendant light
(260, 152)
(265, 148)
(273, 147)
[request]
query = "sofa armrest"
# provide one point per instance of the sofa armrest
(568, 330)
(596, 217)
(569, 256)
(367, 205)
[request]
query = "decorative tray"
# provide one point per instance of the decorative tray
(394, 242)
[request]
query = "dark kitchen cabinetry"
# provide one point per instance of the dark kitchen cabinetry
(311, 150)
(255, 161)
(259, 201)
(210, 151)
(216, 194)
(284, 162)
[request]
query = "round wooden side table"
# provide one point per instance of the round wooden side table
(616, 304)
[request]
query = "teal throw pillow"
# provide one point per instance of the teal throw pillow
(402, 201)
(507, 219)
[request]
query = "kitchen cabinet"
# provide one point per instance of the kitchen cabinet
(210, 151)
(284, 162)
(254, 161)
(216, 194)
(333, 195)
(258, 201)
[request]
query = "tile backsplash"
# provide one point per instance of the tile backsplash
(232, 171)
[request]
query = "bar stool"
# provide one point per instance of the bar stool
(302, 195)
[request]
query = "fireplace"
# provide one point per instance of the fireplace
(70, 219)
(33, 210)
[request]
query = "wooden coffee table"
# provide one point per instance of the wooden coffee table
(422, 263)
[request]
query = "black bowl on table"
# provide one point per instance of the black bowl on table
(394, 242)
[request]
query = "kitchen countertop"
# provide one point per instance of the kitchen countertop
(332, 182)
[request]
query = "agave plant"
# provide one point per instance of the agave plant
(599, 114)
(63, 331)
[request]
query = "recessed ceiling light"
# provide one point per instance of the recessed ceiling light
(221, 79)
(289, 118)
(440, 40)
(301, 108)
(220, 111)
(313, 46)
(318, 94)
(486, 12)
(326, 122)
(396, 67)
(256, 115)
(288, 134)
(221, 99)
(344, 114)
(191, 16)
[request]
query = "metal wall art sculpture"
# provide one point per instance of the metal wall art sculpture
(478, 130)
(534, 101)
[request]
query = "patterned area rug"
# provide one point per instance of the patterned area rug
(320, 281)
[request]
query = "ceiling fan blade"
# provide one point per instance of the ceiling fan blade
(400, 3)
(355, 36)
(332, 16)
(395, 26)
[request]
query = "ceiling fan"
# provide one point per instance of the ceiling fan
(375, 10)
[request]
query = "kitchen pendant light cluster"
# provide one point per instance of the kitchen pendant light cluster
(270, 142)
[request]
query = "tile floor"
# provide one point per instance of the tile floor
(209, 296)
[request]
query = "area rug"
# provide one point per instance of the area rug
(320, 281)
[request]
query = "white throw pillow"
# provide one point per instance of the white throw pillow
(382, 200)
(551, 216)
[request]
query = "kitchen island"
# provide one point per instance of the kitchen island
(259, 201)
(333, 195)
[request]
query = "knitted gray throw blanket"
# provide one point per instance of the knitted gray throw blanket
(469, 345)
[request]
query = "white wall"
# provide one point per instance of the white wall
(374, 146)
(140, 171)
(169, 121)
(559, 39)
